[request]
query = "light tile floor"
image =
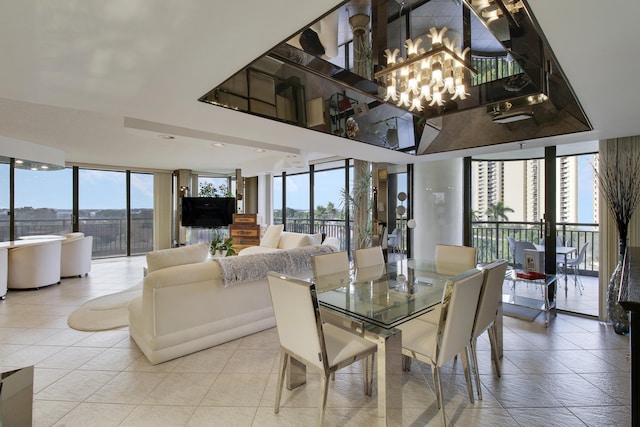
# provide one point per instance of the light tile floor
(573, 373)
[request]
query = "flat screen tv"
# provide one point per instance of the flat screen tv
(208, 211)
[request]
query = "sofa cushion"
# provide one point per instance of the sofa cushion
(163, 258)
(272, 236)
(290, 240)
(332, 241)
(314, 239)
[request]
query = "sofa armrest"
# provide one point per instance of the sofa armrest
(169, 295)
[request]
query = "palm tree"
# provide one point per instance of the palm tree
(496, 212)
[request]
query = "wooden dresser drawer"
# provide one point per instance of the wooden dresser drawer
(245, 232)
(245, 219)
(245, 241)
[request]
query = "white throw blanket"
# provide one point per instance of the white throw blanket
(254, 267)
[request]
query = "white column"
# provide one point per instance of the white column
(437, 206)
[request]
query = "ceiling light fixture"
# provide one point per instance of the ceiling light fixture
(259, 150)
(218, 144)
(492, 10)
(426, 75)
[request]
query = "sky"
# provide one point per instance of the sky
(106, 189)
(98, 189)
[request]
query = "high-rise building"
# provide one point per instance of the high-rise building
(519, 184)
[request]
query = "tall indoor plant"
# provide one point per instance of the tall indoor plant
(619, 180)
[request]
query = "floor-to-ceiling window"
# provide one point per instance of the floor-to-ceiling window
(43, 201)
(141, 232)
(5, 231)
(102, 213)
(508, 200)
(298, 202)
(328, 198)
(277, 199)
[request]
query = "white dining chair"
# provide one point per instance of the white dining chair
(450, 260)
(490, 297)
(368, 257)
(573, 265)
(453, 260)
(331, 263)
(519, 252)
(438, 344)
(303, 336)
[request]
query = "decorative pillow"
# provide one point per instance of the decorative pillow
(332, 241)
(272, 236)
(314, 239)
(290, 240)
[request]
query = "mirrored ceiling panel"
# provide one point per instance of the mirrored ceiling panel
(418, 76)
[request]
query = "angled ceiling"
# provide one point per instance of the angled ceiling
(102, 81)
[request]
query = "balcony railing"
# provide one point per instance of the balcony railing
(329, 226)
(109, 234)
(490, 239)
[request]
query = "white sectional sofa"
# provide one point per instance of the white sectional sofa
(190, 303)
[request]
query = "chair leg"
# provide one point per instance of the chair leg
(435, 371)
(577, 282)
(367, 372)
(474, 357)
(494, 349)
(406, 363)
(284, 361)
(467, 373)
(324, 380)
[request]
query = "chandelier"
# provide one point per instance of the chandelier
(425, 76)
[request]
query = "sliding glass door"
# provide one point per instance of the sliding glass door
(102, 213)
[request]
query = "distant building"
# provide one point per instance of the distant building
(520, 185)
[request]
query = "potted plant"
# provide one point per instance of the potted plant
(221, 245)
(619, 180)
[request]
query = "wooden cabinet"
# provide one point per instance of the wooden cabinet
(245, 231)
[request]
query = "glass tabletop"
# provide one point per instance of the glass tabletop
(384, 296)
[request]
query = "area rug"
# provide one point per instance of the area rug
(105, 312)
(520, 312)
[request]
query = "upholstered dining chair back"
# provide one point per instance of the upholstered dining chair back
(453, 260)
(368, 257)
(457, 315)
(331, 263)
(490, 297)
(298, 319)
(519, 252)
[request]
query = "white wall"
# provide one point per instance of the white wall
(437, 206)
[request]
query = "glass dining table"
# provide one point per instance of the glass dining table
(372, 302)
